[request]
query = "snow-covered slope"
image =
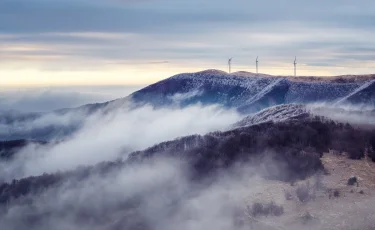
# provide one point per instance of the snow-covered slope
(275, 114)
(251, 92)
(213, 87)
(364, 94)
(246, 92)
(287, 112)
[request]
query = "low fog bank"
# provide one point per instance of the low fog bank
(43, 99)
(43, 127)
(104, 136)
(361, 115)
(159, 195)
(156, 194)
(45, 114)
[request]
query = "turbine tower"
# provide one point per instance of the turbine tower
(230, 64)
(295, 66)
(256, 63)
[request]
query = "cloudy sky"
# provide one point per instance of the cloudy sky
(137, 42)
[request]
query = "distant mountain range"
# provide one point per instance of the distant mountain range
(246, 92)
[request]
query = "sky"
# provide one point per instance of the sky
(137, 42)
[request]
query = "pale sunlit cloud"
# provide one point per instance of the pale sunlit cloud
(140, 42)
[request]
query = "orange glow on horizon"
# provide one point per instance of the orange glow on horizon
(142, 75)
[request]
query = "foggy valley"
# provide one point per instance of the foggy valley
(187, 115)
(193, 161)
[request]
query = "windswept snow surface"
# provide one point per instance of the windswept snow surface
(251, 92)
(360, 93)
(345, 114)
(275, 114)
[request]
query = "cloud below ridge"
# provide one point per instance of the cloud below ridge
(107, 137)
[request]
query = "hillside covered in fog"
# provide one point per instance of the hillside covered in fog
(244, 92)
(205, 150)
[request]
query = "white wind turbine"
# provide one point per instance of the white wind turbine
(230, 64)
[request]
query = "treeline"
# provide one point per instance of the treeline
(8, 149)
(33, 185)
(18, 188)
(292, 147)
(286, 151)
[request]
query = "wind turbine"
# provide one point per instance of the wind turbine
(295, 66)
(230, 64)
(256, 63)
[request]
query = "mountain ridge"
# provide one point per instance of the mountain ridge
(243, 91)
(249, 92)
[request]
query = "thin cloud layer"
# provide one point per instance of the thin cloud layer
(114, 135)
(157, 195)
(336, 35)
